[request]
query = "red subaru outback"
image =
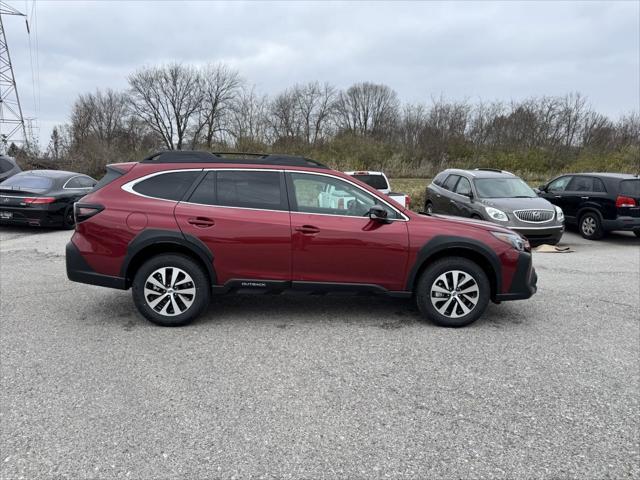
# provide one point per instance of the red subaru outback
(181, 226)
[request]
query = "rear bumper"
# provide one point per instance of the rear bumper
(524, 283)
(622, 223)
(537, 236)
(37, 217)
(78, 270)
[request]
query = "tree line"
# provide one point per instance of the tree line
(179, 106)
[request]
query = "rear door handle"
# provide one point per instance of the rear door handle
(202, 222)
(308, 230)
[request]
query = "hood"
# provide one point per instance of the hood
(508, 205)
(467, 222)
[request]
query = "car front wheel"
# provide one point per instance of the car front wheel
(453, 292)
(171, 290)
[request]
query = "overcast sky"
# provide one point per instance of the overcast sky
(459, 50)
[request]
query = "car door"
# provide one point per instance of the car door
(578, 192)
(461, 199)
(242, 216)
(335, 241)
(555, 192)
(446, 203)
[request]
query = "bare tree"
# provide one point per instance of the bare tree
(367, 109)
(220, 86)
(249, 118)
(167, 99)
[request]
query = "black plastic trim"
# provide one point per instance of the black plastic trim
(440, 243)
(525, 280)
(78, 270)
(151, 237)
(195, 156)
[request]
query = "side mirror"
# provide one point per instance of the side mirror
(470, 195)
(542, 188)
(537, 191)
(378, 214)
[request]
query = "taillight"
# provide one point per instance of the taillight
(407, 201)
(83, 212)
(38, 200)
(623, 201)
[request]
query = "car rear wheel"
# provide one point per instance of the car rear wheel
(591, 226)
(453, 292)
(637, 233)
(69, 221)
(171, 290)
(428, 208)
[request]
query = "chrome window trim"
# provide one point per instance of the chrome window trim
(128, 187)
(64, 187)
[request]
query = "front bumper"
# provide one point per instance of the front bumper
(78, 270)
(540, 235)
(622, 223)
(524, 282)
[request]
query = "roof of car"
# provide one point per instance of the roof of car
(51, 173)
(482, 172)
(196, 156)
(623, 176)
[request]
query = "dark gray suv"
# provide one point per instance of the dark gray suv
(496, 196)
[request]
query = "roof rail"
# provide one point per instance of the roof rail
(497, 170)
(196, 156)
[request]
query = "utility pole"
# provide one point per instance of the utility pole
(11, 118)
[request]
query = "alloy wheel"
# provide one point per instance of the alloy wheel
(589, 226)
(454, 294)
(169, 291)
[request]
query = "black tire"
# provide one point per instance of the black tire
(637, 233)
(475, 216)
(68, 220)
(431, 277)
(428, 208)
(171, 316)
(590, 226)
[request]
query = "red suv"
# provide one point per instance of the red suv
(181, 226)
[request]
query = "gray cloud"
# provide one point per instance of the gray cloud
(459, 50)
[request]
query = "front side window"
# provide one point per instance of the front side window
(168, 186)
(463, 187)
(332, 196)
(247, 189)
(559, 184)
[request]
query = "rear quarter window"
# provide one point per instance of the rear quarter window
(630, 187)
(5, 165)
(167, 186)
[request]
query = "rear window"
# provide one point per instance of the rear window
(248, 189)
(376, 181)
(630, 187)
(28, 182)
(5, 165)
(168, 186)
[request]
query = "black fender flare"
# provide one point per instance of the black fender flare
(151, 237)
(441, 243)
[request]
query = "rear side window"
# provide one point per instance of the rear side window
(205, 192)
(451, 182)
(439, 179)
(376, 181)
(581, 184)
(5, 165)
(630, 187)
(80, 182)
(168, 186)
(247, 189)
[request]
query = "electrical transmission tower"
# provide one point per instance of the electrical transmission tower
(11, 119)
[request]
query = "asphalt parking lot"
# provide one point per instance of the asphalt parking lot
(320, 387)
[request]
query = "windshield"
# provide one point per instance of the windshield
(376, 181)
(503, 188)
(27, 182)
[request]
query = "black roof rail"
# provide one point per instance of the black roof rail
(497, 170)
(196, 156)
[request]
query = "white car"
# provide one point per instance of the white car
(380, 182)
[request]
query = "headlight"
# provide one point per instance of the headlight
(559, 214)
(513, 239)
(496, 214)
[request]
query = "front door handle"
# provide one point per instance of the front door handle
(202, 222)
(308, 230)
